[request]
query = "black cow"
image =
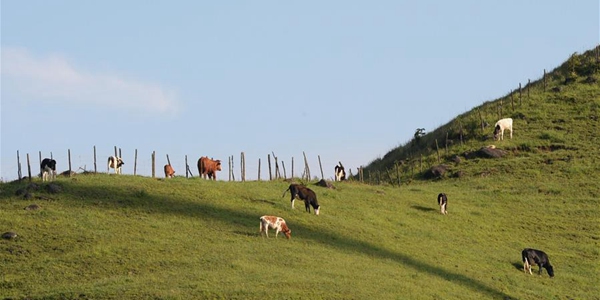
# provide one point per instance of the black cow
(533, 257)
(305, 194)
(443, 203)
(48, 167)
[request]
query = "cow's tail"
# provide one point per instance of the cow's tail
(285, 192)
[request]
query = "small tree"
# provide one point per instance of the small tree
(420, 132)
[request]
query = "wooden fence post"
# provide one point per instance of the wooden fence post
(153, 164)
(40, 164)
(95, 164)
(544, 80)
(512, 98)
(135, 163)
(243, 167)
(306, 168)
(292, 167)
(28, 167)
(269, 160)
(277, 174)
(520, 94)
(19, 174)
(284, 173)
(168, 160)
(187, 168)
(528, 87)
(116, 151)
(232, 174)
(69, 153)
(398, 173)
(512, 104)
(321, 166)
(259, 169)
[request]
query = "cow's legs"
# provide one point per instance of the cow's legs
(293, 202)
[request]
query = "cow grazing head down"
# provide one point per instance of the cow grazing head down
(532, 257)
(443, 203)
(208, 167)
(48, 167)
(115, 162)
(305, 194)
(501, 125)
(340, 172)
(169, 172)
(276, 223)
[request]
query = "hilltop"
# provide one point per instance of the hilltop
(555, 122)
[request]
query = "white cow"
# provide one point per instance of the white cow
(501, 125)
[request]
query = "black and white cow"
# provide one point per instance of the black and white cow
(48, 167)
(340, 173)
(443, 203)
(305, 194)
(532, 257)
(115, 162)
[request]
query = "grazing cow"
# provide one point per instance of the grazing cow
(169, 172)
(340, 173)
(48, 167)
(208, 167)
(532, 257)
(443, 203)
(115, 162)
(276, 223)
(305, 194)
(501, 125)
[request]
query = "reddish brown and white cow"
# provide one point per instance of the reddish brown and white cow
(208, 167)
(276, 223)
(305, 194)
(169, 172)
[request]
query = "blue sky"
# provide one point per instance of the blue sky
(344, 80)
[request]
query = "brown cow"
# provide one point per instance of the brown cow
(169, 172)
(207, 166)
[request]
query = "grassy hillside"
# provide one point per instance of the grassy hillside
(129, 237)
(125, 237)
(556, 123)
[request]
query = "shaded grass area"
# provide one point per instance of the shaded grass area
(130, 237)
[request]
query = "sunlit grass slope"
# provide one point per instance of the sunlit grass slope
(126, 237)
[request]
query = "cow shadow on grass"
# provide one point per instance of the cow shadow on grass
(114, 197)
(518, 265)
(261, 201)
(423, 208)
